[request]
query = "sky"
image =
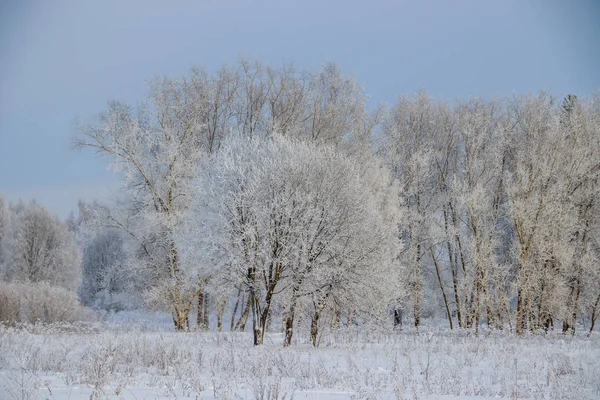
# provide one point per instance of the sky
(63, 60)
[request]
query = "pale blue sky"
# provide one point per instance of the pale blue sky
(64, 59)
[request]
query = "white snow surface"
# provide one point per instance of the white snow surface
(120, 359)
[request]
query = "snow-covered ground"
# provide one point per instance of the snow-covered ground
(123, 360)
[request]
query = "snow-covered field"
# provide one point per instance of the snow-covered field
(145, 361)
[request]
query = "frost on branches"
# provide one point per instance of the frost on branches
(157, 148)
(295, 224)
(38, 247)
(256, 194)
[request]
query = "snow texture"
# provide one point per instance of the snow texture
(119, 360)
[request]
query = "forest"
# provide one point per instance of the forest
(269, 199)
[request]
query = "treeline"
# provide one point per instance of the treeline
(294, 236)
(280, 198)
(501, 200)
(496, 201)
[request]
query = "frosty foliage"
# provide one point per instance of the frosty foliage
(265, 194)
(38, 247)
(5, 221)
(158, 145)
(282, 218)
(32, 303)
(103, 268)
(40, 267)
(502, 210)
(157, 148)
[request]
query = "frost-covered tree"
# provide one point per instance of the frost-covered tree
(5, 221)
(40, 248)
(407, 135)
(580, 127)
(156, 147)
(103, 282)
(499, 199)
(501, 207)
(282, 218)
(111, 278)
(477, 191)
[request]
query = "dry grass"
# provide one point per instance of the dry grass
(106, 363)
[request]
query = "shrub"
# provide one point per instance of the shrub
(39, 303)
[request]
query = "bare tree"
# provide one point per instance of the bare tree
(157, 148)
(408, 131)
(281, 218)
(41, 249)
(5, 222)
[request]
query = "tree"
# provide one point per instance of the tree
(103, 271)
(408, 131)
(579, 127)
(157, 148)
(280, 218)
(41, 249)
(5, 222)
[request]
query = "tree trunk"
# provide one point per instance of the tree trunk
(453, 270)
(289, 327)
(206, 321)
(314, 324)
(241, 324)
(439, 276)
(181, 317)
(575, 308)
(291, 313)
(201, 326)
(179, 320)
(470, 307)
(235, 308)
(521, 283)
(336, 317)
(417, 288)
(256, 329)
(462, 258)
(351, 317)
(269, 321)
(479, 290)
(220, 310)
(259, 321)
(594, 314)
(314, 328)
(260, 313)
(520, 321)
(566, 322)
(181, 308)
(488, 307)
(397, 318)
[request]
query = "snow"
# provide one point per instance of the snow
(120, 360)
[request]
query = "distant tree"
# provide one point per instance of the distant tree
(5, 221)
(112, 279)
(41, 249)
(103, 271)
